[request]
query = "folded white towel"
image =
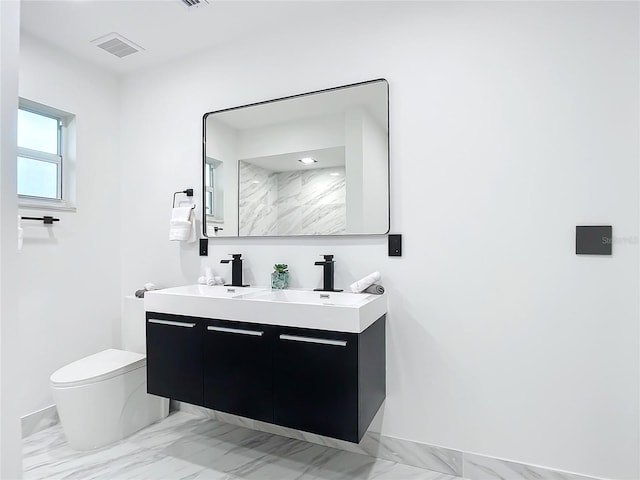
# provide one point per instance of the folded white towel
(179, 231)
(182, 225)
(181, 214)
(202, 280)
(365, 282)
(208, 276)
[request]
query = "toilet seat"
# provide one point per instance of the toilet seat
(98, 367)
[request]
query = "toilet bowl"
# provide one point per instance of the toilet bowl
(103, 398)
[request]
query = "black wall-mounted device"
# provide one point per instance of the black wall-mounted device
(395, 245)
(204, 247)
(594, 240)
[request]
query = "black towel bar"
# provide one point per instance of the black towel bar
(46, 219)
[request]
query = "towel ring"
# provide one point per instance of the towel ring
(188, 192)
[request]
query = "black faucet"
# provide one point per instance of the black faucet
(236, 270)
(328, 266)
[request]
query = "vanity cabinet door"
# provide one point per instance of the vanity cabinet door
(238, 368)
(316, 382)
(174, 357)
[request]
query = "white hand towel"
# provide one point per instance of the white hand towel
(182, 214)
(192, 235)
(20, 234)
(179, 231)
(182, 227)
(365, 282)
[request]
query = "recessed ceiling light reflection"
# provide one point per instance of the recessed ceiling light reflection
(256, 181)
(335, 174)
(308, 161)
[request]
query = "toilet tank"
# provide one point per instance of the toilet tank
(133, 325)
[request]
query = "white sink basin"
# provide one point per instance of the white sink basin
(309, 297)
(336, 311)
(215, 291)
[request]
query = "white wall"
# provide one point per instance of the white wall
(10, 371)
(366, 147)
(375, 180)
(511, 123)
(69, 280)
(354, 161)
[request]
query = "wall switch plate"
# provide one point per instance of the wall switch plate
(395, 245)
(594, 240)
(204, 247)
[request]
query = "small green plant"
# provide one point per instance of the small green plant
(280, 267)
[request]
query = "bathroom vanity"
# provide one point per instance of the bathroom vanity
(306, 360)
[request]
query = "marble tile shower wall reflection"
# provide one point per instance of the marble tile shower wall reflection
(312, 202)
(301, 202)
(258, 193)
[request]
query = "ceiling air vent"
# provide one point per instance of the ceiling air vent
(194, 3)
(117, 45)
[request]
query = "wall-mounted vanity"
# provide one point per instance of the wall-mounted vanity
(311, 164)
(313, 361)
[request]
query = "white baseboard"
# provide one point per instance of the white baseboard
(36, 421)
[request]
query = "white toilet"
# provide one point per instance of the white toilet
(103, 398)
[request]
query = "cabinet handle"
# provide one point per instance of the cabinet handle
(173, 324)
(241, 331)
(322, 341)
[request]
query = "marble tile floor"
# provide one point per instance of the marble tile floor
(184, 446)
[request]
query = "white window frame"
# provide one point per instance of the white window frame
(65, 157)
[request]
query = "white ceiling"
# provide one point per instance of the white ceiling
(166, 29)
(288, 162)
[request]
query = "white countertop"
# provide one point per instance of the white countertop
(302, 308)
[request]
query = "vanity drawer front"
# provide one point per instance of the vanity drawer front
(174, 357)
(316, 382)
(238, 368)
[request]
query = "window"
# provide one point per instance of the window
(214, 190)
(39, 155)
(43, 151)
(208, 183)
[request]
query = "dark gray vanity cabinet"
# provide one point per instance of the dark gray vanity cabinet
(174, 357)
(324, 382)
(329, 383)
(238, 368)
(318, 391)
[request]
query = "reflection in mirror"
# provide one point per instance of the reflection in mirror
(279, 195)
(214, 188)
(314, 164)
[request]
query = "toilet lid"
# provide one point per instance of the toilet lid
(100, 366)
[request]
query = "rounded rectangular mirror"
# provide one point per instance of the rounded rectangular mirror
(310, 164)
